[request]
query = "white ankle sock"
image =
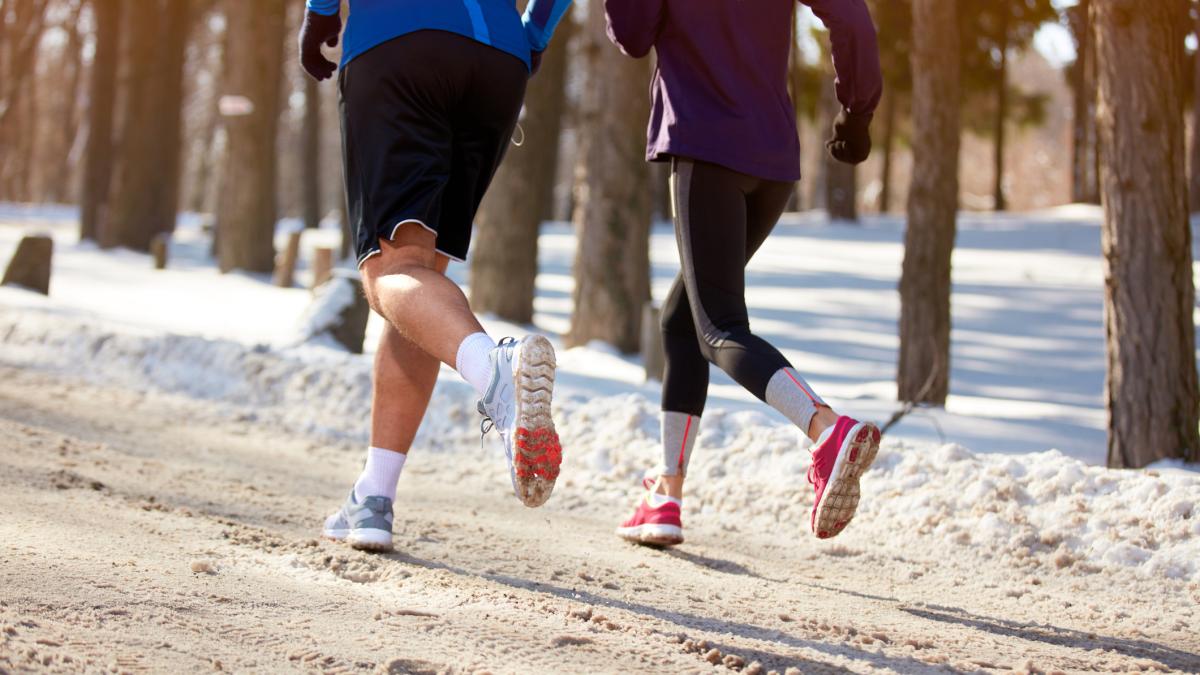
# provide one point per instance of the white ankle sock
(657, 500)
(380, 475)
(472, 361)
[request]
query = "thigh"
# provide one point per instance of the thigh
(764, 206)
(710, 227)
(397, 136)
(409, 246)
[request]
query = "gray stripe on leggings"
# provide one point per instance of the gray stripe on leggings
(681, 194)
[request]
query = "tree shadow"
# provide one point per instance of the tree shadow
(1065, 637)
(712, 624)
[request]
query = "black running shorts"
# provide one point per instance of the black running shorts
(426, 118)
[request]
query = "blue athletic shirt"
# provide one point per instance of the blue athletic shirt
(492, 22)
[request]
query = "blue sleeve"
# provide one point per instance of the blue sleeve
(541, 18)
(633, 25)
(325, 7)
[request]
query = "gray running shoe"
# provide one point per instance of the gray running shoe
(517, 405)
(366, 526)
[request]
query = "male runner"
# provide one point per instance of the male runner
(722, 116)
(430, 91)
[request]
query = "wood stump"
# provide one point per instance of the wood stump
(339, 310)
(322, 266)
(652, 343)
(30, 264)
(285, 264)
(159, 246)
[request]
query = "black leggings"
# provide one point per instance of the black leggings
(721, 219)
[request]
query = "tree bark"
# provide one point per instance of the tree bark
(612, 194)
(1151, 390)
(25, 22)
(889, 146)
(841, 180)
(924, 367)
(1000, 202)
(1085, 183)
(59, 187)
(145, 198)
(504, 258)
(98, 153)
(247, 206)
(311, 162)
(1194, 191)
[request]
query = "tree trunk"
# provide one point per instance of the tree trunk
(98, 153)
(1085, 183)
(1194, 201)
(612, 194)
(59, 188)
(25, 21)
(504, 258)
(932, 206)
(246, 208)
(145, 199)
(1152, 395)
(841, 180)
(1001, 200)
(889, 146)
(311, 162)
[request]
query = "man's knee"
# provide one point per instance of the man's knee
(412, 249)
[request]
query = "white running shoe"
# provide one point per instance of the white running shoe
(517, 404)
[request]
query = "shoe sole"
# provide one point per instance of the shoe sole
(840, 500)
(537, 452)
(652, 535)
(362, 540)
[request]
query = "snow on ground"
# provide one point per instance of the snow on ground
(1028, 368)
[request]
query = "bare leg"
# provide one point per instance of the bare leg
(403, 283)
(404, 379)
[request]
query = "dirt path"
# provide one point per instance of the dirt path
(144, 533)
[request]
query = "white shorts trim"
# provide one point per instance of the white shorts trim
(377, 251)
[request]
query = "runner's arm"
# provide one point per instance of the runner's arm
(855, 52)
(541, 18)
(633, 25)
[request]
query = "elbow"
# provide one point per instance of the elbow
(630, 45)
(636, 50)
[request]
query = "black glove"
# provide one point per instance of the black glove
(851, 142)
(535, 62)
(317, 29)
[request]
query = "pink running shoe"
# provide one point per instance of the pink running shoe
(841, 456)
(653, 525)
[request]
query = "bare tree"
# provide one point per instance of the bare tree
(504, 261)
(146, 190)
(1194, 187)
(311, 148)
(841, 180)
(22, 23)
(932, 206)
(247, 206)
(1085, 151)
(613, 194)
(98, 154)
(1152, 395)
(57, 179)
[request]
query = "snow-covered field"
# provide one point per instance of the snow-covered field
(1008, 472)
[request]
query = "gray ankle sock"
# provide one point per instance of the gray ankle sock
(788, 393)
(679, 432)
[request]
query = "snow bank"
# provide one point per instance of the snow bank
(1041, 510)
